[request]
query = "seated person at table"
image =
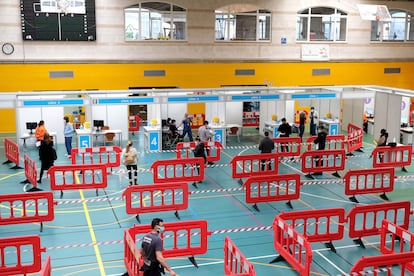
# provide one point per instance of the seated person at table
(173, 129)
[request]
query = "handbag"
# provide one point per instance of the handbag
(129, 159)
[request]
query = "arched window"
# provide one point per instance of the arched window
(242, 23)
(155, 21)
(321, 24)
(400, 28)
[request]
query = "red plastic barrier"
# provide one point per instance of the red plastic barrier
(251, 119)
(366, 181)
(74, 177)
(254, 164)
(383, 265)
(287, 146)
(30, 170)
(365, 220)
(355, 137)
(189, 238)
(235, 264)
(333, 142)
(292, 246)
(268, 188)
(11, 150)
(323, 160)
(395, 232)
(185, 150)
(156, 198)
(134, 123)
(47, 268)
(27, 208)
(178, 170)
(108, 155)
(387, 156)
(23, 245)
(319, 225)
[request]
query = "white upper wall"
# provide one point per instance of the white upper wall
(200, 44)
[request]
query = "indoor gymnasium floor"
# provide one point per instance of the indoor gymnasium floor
(86, 235)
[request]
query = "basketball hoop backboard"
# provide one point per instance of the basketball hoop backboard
(374, 12)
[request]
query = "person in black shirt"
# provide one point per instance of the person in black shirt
(320, 141)
(47, 155)
(266, 145)
(284, 130)
(302, 122)
(199, 151)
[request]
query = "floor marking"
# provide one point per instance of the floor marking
(330, 262)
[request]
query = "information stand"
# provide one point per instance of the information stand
(152, 138)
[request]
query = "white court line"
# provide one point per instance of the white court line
(331, 263)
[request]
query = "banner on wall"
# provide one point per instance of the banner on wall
(315, 52)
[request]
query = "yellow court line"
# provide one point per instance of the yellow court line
(10, 175)
(91, 231)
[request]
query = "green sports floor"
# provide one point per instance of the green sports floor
(86, 235)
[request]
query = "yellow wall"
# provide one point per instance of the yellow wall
(35, 77)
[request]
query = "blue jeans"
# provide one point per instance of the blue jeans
(68, 144)
(312, 129)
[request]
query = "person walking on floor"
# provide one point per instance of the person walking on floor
(68, 131)
(204, 132)
(186, 123)
(151, 250)
(302, 122)
(314, 120)
(47, 155)
(284, 130)
(199, 151)
(129, 157)
(320, 141)
(266, 145)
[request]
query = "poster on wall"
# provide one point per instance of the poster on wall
(315, 52)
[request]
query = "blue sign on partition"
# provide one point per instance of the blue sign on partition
(255, 97)
(193, 99)
(127, 100)
(314, 96)
(154, 141)
(53, 102)
(333, 129)
(84, 141)
(218, 135)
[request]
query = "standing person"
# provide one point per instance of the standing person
(284, 130)
(266, 145)
(186, 123)
(151, 250)
(199, 151)
(205, 136)
(314, 120)
(320, 141)
(302, 122)
(129, 157)
(40, 132)
(381, 142)
(68, 131)
(47, 155)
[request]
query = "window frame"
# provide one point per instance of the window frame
(379, 34)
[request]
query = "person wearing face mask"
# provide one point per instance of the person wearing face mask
(151, 250)
(68, 131)
(314, 120)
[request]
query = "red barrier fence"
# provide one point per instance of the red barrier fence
(322, 225)
(150, 198)
(367, 181)
(365, 220)
(333, 142)
(108, 155)
(47, 268)
(185, 150)
(189, 238)
(134, 123)
(30, 171)
(235, 264)
(251, 118)
(268, 188)
(396, 233)
(355, 137)
(293, 247)
(23, 246)
(323, 160)
(75, 177)
(11, 150)
(178, 170)
(384, 264)
(27, 208)
(387, 156)
(254, 164)
(287, 146)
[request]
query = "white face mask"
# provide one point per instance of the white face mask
(161, 229)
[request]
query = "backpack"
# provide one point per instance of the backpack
(129, 158)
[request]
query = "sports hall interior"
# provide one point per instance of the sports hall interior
(227, 44)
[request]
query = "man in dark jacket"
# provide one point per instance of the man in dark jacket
(321, 143)
(199, 151)
(266, 145)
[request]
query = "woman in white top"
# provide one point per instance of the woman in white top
(129, 157)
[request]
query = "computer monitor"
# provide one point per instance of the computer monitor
(98, 124)
(31, 126)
